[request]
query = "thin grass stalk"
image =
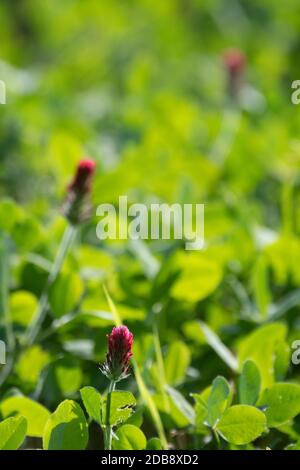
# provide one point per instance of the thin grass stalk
(35, 326)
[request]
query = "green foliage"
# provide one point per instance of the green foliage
(282, 402)
(22, 306)
(68, 375)
(12, 433)
(35, 414)
(199, 277)
(260, 286)
(176, 362)
(261, 346)
(65, 293)
(66, 428)
(93, 403)
(201, 410)
(249, 384)
(121, 406)
(183, 408)
(241, 424)
(129, 437)
(214, 341)
(31, 364)
(295, 446)
(217, 401)
(154, 444)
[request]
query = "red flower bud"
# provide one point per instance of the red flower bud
(116, 366)
(83, 178)
(77, 206)
(235, 62)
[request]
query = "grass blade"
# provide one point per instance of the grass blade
(223, 352)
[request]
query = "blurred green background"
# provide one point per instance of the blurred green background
(140, 87)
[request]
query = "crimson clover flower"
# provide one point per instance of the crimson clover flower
(77, 207)
(116, 366)
(235, 62)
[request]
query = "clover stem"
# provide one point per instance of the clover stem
(216, 435)
(108, 427)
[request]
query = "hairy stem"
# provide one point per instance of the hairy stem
(108, 427)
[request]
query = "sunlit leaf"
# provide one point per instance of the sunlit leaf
(35, 414)
(66, 428)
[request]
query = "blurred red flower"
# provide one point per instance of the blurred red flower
(77, 207)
